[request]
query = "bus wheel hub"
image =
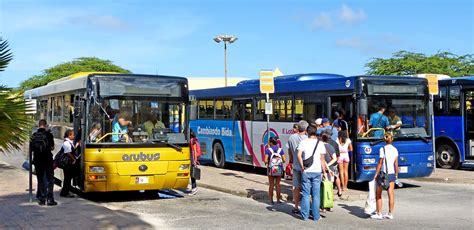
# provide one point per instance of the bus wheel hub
(445, 156)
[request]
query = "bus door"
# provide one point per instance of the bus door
(242, 129)
(469, 116)
(346, 105)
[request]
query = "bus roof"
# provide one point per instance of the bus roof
(304, 82)
(457, 80)
(78, 81)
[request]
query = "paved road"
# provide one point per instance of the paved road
(419, 205)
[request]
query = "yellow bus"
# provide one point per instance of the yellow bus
(151, 152)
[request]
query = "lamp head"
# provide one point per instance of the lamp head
(218, 39)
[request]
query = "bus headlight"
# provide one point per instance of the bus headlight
(369, 161)
(430, 158)
(184, 167)
(96, 169)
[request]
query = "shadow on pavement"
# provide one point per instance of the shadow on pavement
(70, 213)
(284, 207)
(128, 196)
(355, 210)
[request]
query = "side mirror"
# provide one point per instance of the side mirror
(193, 112)
(362, 107)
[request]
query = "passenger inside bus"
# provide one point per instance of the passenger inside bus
(395, 121)
(379, 120)
(120, 125)
(153, 122)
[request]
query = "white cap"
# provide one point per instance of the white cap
(319, 121)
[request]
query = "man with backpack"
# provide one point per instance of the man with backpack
(41, 145)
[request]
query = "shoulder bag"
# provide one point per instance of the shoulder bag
(308, 162)
(382, 179)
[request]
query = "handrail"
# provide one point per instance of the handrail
(372, 129)
(108, 134)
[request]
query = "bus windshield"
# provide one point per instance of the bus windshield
(143, 120)
(407, 117)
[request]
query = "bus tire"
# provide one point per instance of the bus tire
(218, 155)
(447, 157)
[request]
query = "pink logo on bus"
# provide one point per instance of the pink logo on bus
(265, 137)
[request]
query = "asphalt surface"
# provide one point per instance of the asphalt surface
(419, 205)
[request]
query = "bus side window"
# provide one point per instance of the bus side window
(454, 101)
(440, 102)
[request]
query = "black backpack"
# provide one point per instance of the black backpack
(39, 142)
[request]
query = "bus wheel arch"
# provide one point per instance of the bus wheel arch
(218, 154)
(447, 154)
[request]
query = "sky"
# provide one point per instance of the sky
(175, 38)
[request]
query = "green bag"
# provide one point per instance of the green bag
(327, 194)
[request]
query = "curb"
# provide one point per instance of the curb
(285, 197)
(441, 180)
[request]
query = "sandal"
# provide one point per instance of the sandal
(339, 194)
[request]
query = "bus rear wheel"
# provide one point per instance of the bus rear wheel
(447, 157)
(218, 155)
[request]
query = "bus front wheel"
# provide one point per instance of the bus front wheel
(218, 155)
(447, 157)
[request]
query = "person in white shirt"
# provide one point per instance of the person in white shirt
(311, 174)
(389, 154)
(69, 172)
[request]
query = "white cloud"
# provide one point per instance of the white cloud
(350, 16)
(375, 44)
(332, 18)
(322, 21)
(99, 21)
(356, 43)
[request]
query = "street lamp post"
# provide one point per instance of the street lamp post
(226, 39)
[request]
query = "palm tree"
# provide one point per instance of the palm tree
(14, 122)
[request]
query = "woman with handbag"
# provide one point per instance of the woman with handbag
(385, 176)
(195, 153)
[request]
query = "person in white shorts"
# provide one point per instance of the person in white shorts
(345, 146)
(390, 154)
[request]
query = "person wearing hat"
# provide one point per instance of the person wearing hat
(153, 123)
(327, 126)
(379, 120)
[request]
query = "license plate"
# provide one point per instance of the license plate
(403, 169)
(141, 180)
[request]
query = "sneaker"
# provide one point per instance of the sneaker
(51, 203)
(388, 216)
(193, 191)
(41, 202)
(377, 216)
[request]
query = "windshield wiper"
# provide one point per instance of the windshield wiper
(411, 135)
(176, 147)
(376, 142)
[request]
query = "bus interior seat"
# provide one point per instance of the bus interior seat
(420, 121)
(407, 121)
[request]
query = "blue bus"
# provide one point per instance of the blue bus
(454, 122)
(230, 122)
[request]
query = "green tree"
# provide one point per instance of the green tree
(15, 125)
(408, 63)
(82, 64)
